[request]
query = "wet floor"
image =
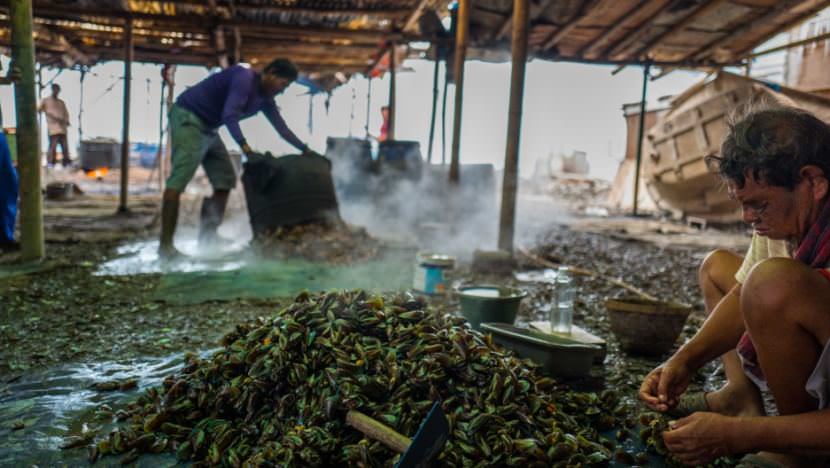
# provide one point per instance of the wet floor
(54, 404)
(142, 257)
(60, 403)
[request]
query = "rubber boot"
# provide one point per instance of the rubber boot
(169, 218)
(213, 211)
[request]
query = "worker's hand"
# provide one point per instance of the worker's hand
(702, 437)
(247, 149)
(662, 387)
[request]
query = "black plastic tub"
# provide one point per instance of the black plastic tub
(400, 157)
(288, 190)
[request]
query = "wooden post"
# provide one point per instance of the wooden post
(160, 150)
(434, 102)
(460, 57)
(368, 104)
(444, 120)
(168, 150)
(125, 126)
(81, 111)
(237, 46)
(507, 224)
(28, 143)
(390, 135)
(640, 133)
(221, 48)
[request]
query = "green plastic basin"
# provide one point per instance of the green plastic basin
(489, 304)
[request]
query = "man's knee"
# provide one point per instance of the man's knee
(770, 287)
(719, 267)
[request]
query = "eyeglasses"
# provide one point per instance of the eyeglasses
(757, 210)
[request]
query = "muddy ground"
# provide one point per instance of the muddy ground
(65, 314)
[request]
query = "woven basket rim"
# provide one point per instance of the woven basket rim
(645, 306)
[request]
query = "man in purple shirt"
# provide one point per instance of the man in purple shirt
(224, 98)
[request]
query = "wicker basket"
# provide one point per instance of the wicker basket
(646, 327)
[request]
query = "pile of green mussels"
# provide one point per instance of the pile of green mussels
(276, 393)
(331, 242)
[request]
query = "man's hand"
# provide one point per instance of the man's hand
(662, 387)
(702, 437)
(247, 149)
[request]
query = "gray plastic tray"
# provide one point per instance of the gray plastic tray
(558, 356)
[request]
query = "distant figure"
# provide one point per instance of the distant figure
(384, 127)
(223, 98)
(57, 122)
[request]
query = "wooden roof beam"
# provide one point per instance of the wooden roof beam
(770, 15)
(641, 30)
(567, 28)
(412, 19)
(624, 63)
(596, 46)
(701, 10)
(535, 11)
(71, 52)
(233, 9)
(787, 26)
(199, 23)
(330, 63)
(117, 35)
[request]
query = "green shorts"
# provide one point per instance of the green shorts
(195, 143)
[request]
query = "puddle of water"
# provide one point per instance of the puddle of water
(142, 257)
(58, 403)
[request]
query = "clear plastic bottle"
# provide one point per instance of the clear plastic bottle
(561, 320)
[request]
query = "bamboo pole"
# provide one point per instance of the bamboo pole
(368, 104)
(221, 47)
(507, 224)
(168, 150)
(444, 119)
(461, 35)
(791, 45)
(640, 132)
(390, 135)
(586, 272)
(28, 143)
(125, 128)
(434, 102)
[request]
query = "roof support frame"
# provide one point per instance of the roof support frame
(708, 49)
(592, 49)
(564, 30)
(701, 10)
(641, 30)
(534, 12)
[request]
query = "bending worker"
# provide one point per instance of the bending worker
(224, 98)
(768, 313)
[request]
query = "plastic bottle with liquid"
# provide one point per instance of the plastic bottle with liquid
(561, 320)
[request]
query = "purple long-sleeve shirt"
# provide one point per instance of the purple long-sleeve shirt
(231, 95)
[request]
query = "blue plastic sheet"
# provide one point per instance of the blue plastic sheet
(8, 192)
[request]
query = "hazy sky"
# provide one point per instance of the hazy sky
(566, 107)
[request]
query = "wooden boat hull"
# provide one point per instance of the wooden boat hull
(676, 174)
